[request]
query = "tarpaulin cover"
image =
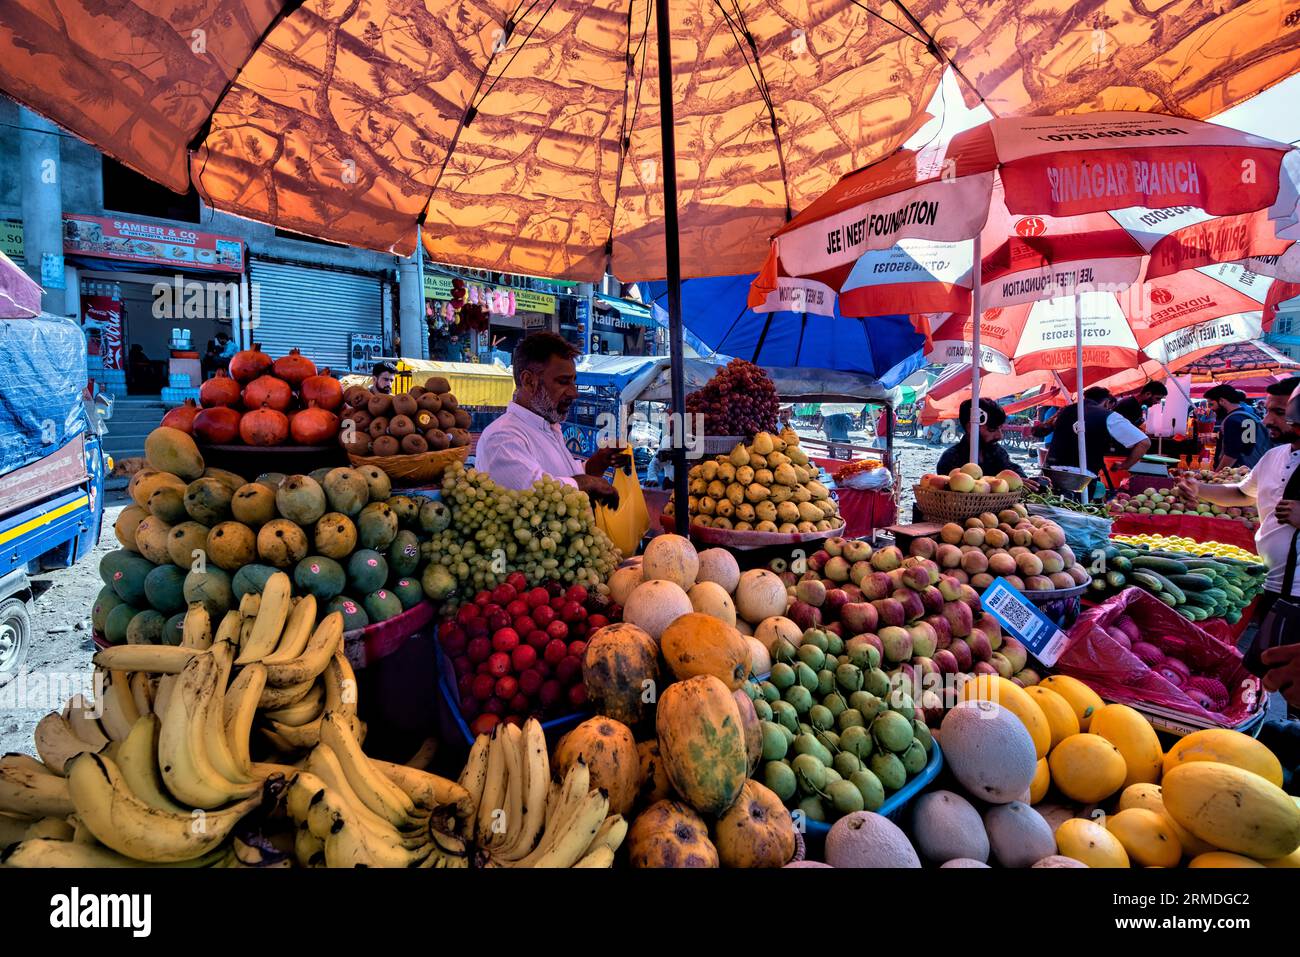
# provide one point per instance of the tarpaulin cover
(42, 378)
(1115, 673)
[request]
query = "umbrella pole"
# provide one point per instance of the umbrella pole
(673, 266)
(1078, 384)
(977, 280)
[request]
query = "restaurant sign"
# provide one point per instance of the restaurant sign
(113, 238)
(498, 300)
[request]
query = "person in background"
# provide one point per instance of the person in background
(525, 443)
(993, 457)
(836, 427)
(384, 373)
(1242, 437)
(1099, 395)
(1101, 427)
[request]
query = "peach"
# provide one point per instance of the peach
(1067, 555)
(960, 482)
(960, 576)
(973, 470)
(1002, 564)
(1052, 562)
(1015, 581)
(1038, 583)
(1023, 537)
(1042, 539)
(988, 519)
(1014, 482)
(974, 563)
(1062, 580)
(973, 536)
(998, 486)
(1008, 515)
(1079, 574)
(948, 556)
(1015, 551)
(923, 547)
(981, 580)
(973, 523)
(951, 533)
(1029, 565)
(982, 487)
(996, 538)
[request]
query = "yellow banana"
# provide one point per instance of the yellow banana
(537, 777)
(159, 659)
(567, 804)
(34, 794)
(308, 709)
(303, 786)
(237, 713)
(350, 843)
(297, 632)
(273, 699)
(84, 724)
(423, 758)
(56, 743)
(611, 834)
(161, 698)
(250, 605)
(377, 792)
(143, 689)
(196, 630)
(216, 741)
(602, 856)
(325, 765)
(512, 741)
(268, 625)
(118, 711)
(24, 763)
(473, 776)
(182, 749)
(80, 833)
(577, 833)
(299, 736)
(137, 761)
(491, 807)
(276, 741)
(13, 829)
(325, 640)
(308, 849)
(427, 790)
(54, 828)
(340, 683)
(65, 854)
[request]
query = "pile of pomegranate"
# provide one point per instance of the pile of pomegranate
(740, 399)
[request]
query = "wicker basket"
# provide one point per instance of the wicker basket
(942, 505)
(419, 469)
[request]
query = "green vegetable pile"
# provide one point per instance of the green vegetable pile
(1196, 586)
(1060, 501)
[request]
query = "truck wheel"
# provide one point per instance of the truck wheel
(15, 637)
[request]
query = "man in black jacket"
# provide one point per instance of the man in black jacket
(993, 457)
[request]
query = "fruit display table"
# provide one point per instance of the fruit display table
(1224, 530)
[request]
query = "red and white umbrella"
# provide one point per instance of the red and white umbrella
(914, 205)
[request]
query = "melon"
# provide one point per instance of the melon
(699, 644)
(989, 751)
(1058, 860)
(1018, 835)
(771, 630)
(620, 669)
(865, 839)
(623, 581)
(656, 604)
(671, 558)
(760, 660)
(719, 566)
(607, 748)
(760, 594)
(947, 826)
(709, 598)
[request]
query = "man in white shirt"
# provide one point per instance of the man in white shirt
(526, 442)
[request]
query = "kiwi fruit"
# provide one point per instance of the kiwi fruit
(449, 402)
(356, 396)
(378, 427)
(414, 444)
(429, 402)
(385, 445)
(404, 405)
(359, 445)
(446, 420)
(462, 418)
(400, 426)
(437, 439)
(437, 384)
(425, 420)
(380, 405)
(459, 437)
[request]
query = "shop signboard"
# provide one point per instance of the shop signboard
(11, 239)
(498, 300)
(535, 321)
(113, 238)
(364, 350)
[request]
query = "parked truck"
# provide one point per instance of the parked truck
(52, 468)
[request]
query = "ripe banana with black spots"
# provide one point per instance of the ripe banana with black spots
(34, 794)
(602, 856)
(311, 707)
(325, 640)
(566, 804)
(56, 742)
(473, 777)
(13, 828)
(47, 853)
(143, 690)
(427, 790)
(577, 832)
(137, 762)
(218, 744)
(119, 711)
(324, 767)
(85, 723)
(158, 659)
(196, 629)
(297, 632)
(537, 782)
(238, 711)
(298, 736)
(268, 625)
(490, 821)
(274, 698)
(308, 849)
(340, 683)
(377, 792)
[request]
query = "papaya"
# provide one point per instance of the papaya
(434, 516)
(354, 616)
(184, 541)
(145, 483)
(211, 586)
(702, 742)
(670, 834)
(654, 785)
(1233, 809)
(207, 500)
(151, 538)
(171, 450)
(376, 526)
(347, 490)
(406, 509)
(408, 592)
(301, 500)
(367, 572)
(165, 589)
(319, 576)
(381, 486)
(1012, 697)
(757, 831)
(235, 482)
(174, 630)
(232, 546)
(127, 521)
(253, 504)
(105, 602)
(700, 644)
(281, 543)
(620, 663)
(251, 579)
(609, 751)
(168, 504)
(382, 605)
(753, 730)
(117, 622)
(404, 554)
(1226, 747)
(146, 628)
(1135, 739)
(335, 536)
(128, 578)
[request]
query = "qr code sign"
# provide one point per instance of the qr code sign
(1017, 617)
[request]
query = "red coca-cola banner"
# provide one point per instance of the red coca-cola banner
(106, 311)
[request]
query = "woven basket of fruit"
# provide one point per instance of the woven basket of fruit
(419, 469)
(944, 505)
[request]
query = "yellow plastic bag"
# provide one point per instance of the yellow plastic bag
(627, 524)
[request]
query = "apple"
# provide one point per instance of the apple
(949, 588)
(523, 657)
(1014, 652)
(788, 578)
(924, 640)
(961, 651)
(811, 592)
(890, 612)
(499, 665)
(886, 559)
(555, 652)
(859, 616)
(923, 547)
(837, 569)
(804, 615)
(948, 555)
(1001, 664)
(942, 630)
(897, 643)
(836, 599)
(932, 599)
(924, 666)
(979, 646)
(859, 571)
(984, 668)
(916, 577)
(959, 619)
(913, 607)
(972, 598)
(959, 481)
(876, 585)
(818, 559)
(834, 546)
(834, 628)
(483, 686)
(507, 640)
(946, 661)
(852, 592)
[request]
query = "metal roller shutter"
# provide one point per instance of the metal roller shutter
(314, 310)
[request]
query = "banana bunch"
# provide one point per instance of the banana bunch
(521, 818)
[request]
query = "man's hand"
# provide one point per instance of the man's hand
(597, 489)
(1288, 512)
(600, 463)
(1188, 488)
(1284, 672)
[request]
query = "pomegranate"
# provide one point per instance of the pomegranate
(323, 390)
(219, 390)
(268, 391)
(313, 426)
(218, 425)
(248, 365)
(264, 427)
(181, 417)
(295, 368)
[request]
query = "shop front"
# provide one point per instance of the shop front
(152, 297)
(619, 327)
(481, 322)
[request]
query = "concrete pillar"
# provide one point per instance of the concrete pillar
(43, 209)
(413, 326)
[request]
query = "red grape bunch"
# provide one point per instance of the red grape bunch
(740, 399)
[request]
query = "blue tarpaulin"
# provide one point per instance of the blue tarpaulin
(716, 311)
(42, 378)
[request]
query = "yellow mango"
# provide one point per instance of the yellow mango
(1149, 796)
(1011, 696)
(1233, 809)
(1089, 842)
(1147, 837)
(1083, 699)
(1226, 747)
(1136, 740)
(1222, 859)
(1041, 782)
(1061, 719)
(1087, 768)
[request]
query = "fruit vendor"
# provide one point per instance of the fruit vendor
(993, 457)
(525, 442)
(384, 373)
(1279, 518)
(1242, 437)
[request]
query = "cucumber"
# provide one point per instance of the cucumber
(1200, 600)
(1165, 566)
(1148, 581)
(1098, 584)
(1192, 582)
(1169, 588)
(1115, 579)
(1122, 564)
(1167, 599)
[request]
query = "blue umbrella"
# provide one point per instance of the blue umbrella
(715, 310)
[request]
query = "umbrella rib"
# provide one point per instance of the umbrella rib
(936, 51)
